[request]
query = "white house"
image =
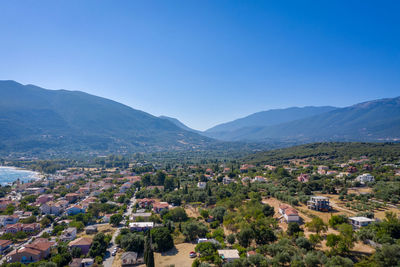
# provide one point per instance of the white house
(289, 213)
(259, 179)
(365, 178)
(359, 222)
(141, 226)
(202, 185)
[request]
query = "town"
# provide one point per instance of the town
(313, 210)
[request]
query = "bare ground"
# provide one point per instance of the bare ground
(178, 256)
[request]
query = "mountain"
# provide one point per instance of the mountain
(377, 120)
(233, 130)
(33, 119)
(179, 124)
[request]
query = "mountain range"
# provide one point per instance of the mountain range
(377, 120)
(36, 120)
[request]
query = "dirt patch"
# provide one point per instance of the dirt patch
(117, 260)
(178, 256)
(192, 211)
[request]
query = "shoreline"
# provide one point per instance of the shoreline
(33, 175)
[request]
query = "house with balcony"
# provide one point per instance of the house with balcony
(319, 203)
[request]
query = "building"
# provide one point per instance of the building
(125, 187)
(72, 197)
(91, 229)
(319, 203)
(79, 262)
(358, 222)
(159, 206)
(259, 179)
(35, 190)
(365, 178)
(229, 254)
(141, 226)
(303, 178)
(51, 208)
(289, 213)
(5, 245)
(8, 219)
(145, 202)
(129, 259)
(202, 185)
(44, 198)
(36, 251)
(227, 180)
(18, 227)
(84, 243)
(75, 210)
(68, 234)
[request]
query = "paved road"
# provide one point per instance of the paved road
(108, 262)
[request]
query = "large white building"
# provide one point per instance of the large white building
(365, 178)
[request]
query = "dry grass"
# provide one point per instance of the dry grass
(178, 256)
(106, 229)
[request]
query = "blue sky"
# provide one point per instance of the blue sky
(206, 62)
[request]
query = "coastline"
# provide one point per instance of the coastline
(15, 173)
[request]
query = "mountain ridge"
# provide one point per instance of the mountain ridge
(32, 115)
(376, 120)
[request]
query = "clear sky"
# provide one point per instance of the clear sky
(206, 62)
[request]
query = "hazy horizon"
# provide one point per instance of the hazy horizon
(206, 63)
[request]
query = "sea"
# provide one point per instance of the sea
(10, 174)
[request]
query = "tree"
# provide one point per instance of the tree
(218, 213)
(245, 236)
(76, 252)
(336, 220)
(177, 215)
(264, 235)
(116, 219)
(162, 239)
(148, 251)
(207, 250)
(45, 222)
(332, 241)
(231, 239)
(388, 255)
(204, 213)
(9, 209)
(339, 261)
(132, 242)
(317, 225)
(191, 230)
(99, 245)
(268, 210)
(293, 229)
(304, 243)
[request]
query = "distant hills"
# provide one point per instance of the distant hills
(377, 120)
(240, 128)
(35, 119)
(322, 151)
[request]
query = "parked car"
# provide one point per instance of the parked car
(193, 254)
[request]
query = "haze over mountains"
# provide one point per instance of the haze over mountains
(33, 119)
